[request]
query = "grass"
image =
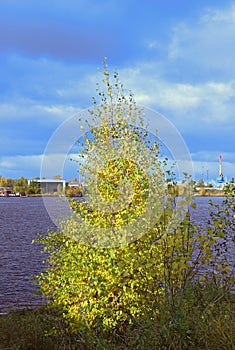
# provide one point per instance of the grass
(29, 329)
(201, 318)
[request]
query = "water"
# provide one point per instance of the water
(20, 221)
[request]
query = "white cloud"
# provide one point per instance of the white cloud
(27, 109)
(219, 16)
(208, 102)
(59, 111)
(207, 43)
(27, 166)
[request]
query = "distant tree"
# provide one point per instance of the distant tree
(74, 191)
(201, 183)
(34, 187)
(6, 182)
(21, 185)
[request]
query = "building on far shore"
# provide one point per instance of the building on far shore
(50, 186)
(6, 191)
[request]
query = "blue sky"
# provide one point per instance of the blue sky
(177, 57)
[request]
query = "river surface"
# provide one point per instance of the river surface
(21, 219)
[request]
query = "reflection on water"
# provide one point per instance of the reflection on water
(20, 221)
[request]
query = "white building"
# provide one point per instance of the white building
(50, 185)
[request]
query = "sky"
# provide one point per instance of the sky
(176, 56)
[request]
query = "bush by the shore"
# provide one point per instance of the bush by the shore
(202, 318)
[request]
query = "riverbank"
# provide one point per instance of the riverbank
(209, 192)
(202, 318)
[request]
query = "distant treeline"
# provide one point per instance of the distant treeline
(20, 185)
